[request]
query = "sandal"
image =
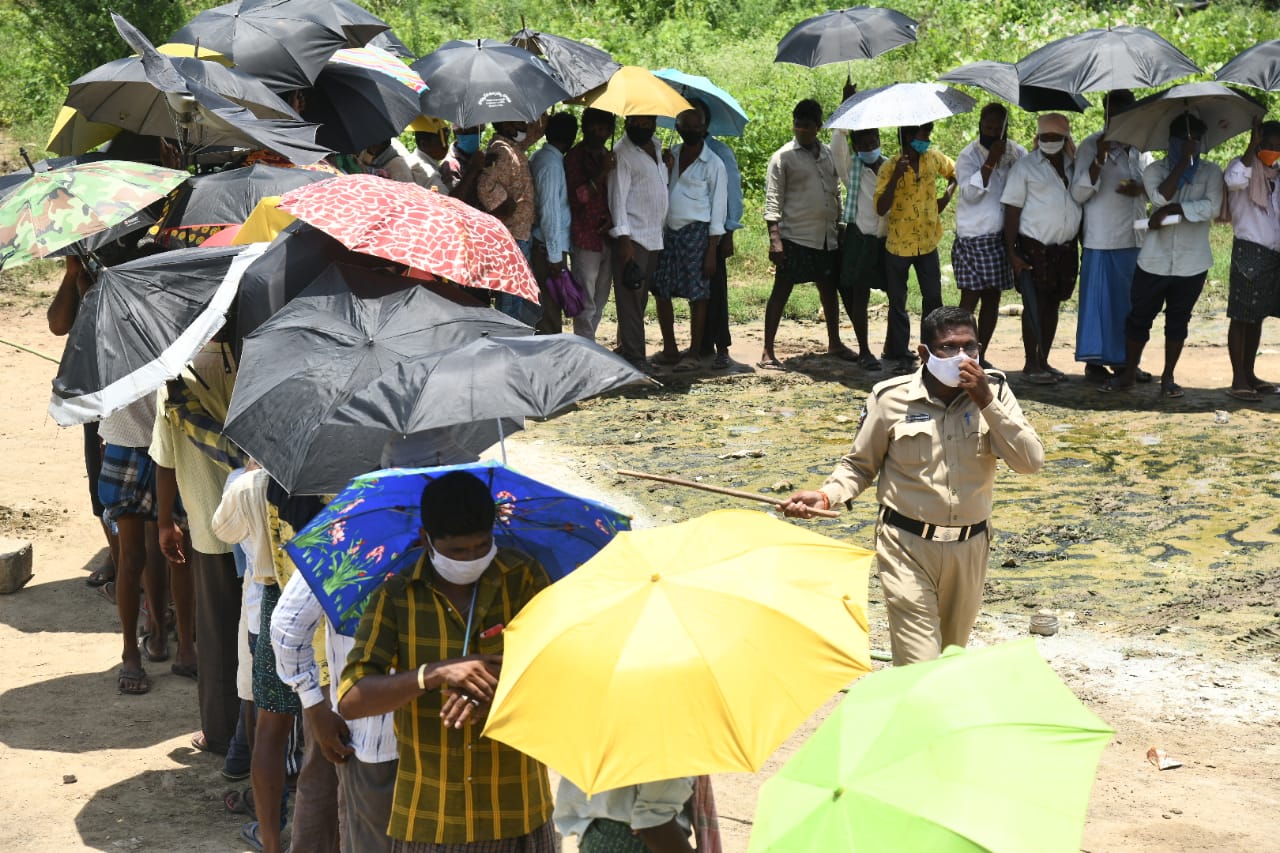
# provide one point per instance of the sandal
(144, 646)
(239, 802)
(1040, 377)
(721, 361)
(666, 360)
(249, 835)
(186, 670)
(869, 362)
(1171, 390)
(108, 591)
(770, 364)
(133, 682)
(687, 364)
(1248, 395)
(1112, 386)
(101, 577)
(844, 354)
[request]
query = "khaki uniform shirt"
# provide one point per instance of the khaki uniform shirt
(937, 463)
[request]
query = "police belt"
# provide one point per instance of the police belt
(932, 532)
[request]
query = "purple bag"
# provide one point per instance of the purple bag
(565, 290)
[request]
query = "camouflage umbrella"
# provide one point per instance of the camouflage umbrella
(62, 206)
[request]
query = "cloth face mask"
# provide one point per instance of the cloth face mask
(870, 157)
(946, 370)
(462, 572)
(921, 145)
(1052, 147)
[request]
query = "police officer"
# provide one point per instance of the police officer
(933, 437)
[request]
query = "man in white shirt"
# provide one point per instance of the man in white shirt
(1175, 255)
(1041, 224)
(551, 199)
(696, 203)
(1254, 200)
(432, 148)
(1108, 185)
(634, 819)
(978, 254)
(862, 240)
(638, 205)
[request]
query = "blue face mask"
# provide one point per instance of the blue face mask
(870, 157)
(468, 143)
(921, 145)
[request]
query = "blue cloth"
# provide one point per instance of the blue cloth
(370, 532)
(551, 196)
(1106, 275)
(733, 183)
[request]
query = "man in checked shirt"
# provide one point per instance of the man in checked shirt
(429, 647)
(933, 437)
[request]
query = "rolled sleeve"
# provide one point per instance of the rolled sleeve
(293, 630)
(659, 803)
(774, 189)
(619, 189)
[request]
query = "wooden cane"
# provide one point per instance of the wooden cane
(720, 490)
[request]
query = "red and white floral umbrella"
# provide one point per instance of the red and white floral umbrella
(418, 227)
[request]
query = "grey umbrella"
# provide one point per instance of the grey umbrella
(1102, 60)
(1001, 79)
(1226, 113)
(486, 379)
(862, 32)
(343, 332)
(480, 82)
(578, 67)
(1258, 67)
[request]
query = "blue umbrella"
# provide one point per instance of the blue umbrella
(728, 118)
(369, 533)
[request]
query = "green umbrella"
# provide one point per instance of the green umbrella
(978, 750)
(59, 207)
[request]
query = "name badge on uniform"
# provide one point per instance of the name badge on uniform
(917, 417)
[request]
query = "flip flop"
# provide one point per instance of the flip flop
(1171, 390)
(144, 648)
(133, 682)
(844, 354)
(100, 577)
(108, 591)
(186, 670)
(1041, 378)
(1265, 388)
(1248, 395)
(249, 835)
(239, 802)
(771, 364)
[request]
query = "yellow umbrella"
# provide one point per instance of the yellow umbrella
(427, 124)
(635, 91)
(264, 223)
(682, 650)
(179, 49)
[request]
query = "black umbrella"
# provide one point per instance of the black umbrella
(1258, 67)
(862, 32)
(1001, 79)
(140, 325)
(1102, 60)
(391, 43)
(479, 82)
(229, 196)
(343, 332)
(486, 379)
(356, 107)
(578, 67)
(284, 43)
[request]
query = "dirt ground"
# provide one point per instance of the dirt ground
(83, 768)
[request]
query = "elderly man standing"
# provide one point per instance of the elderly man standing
(586, 171)
(696, 203)
(1108, 183)
(978, 254)
(551, 231)
(1041, 224)
(638, 205)
(1186, 192)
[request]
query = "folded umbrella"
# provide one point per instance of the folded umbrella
(635, 91)
(1101, 60)
(370, 532)
(1258, 67)
(933, 756)
(728, 118)
(862, 32)
(693, 648)
(578, 67)
(357, 106)
(414, 226)
(1225, 113)
(140, 325)
(480, 82)
(1001, 79)
(344, 331)
(900, 105)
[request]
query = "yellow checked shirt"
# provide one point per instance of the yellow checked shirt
(936, 463)
(452, 786)
(915, 226)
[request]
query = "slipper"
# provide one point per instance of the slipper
(1171, 390)
(686, 365)
(100, 578)
(239, 802)
(1142, 376)
(133, 682)
(1248, 395)
(869, 362)
(1265, 387)
(770, 364)
(145, 648)
(844, 354)
(721, 361)
(1041, 378)
(108, 591)
(249, 835)
(199, 741)
(186, 670)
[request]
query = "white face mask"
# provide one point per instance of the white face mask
(1052, 147)
(946, 370)
(461, 572)
(520, 136)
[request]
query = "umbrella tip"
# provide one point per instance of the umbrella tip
(655, 577)
(837, 794)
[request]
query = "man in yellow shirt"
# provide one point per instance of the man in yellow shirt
(907, 196)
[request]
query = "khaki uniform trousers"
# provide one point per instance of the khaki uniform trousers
(932, 590)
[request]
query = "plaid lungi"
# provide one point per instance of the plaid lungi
(679, 272)
(802, 263)
(269, 692)
(127, 483)
(980, 263)
(1254, 290)
(544, 839)
(610, 836)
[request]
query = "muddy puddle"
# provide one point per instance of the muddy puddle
(1143, 523)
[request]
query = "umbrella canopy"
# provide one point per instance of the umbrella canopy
(900, 105)
(370, 532)
(13, 180)
(357, 106)
(390, 42)
(377, 59)
(1258, 67)
(927, 757)
(728, 118)
(1001, 79)
(578, 67)
(284, 43)
(695, 648)
(346, 329)
(74, 134)
(414, 226)
(228, 197)
(140, 325)
(1146, 123)
(1101, 60)
(635, 91)
(486, 379)
(63, 206)
(479, 82)
(862, 32)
